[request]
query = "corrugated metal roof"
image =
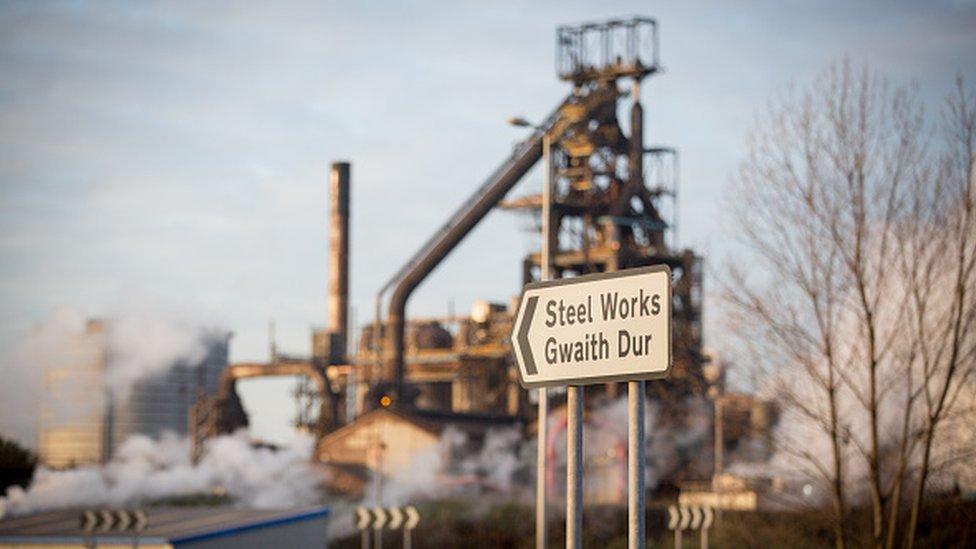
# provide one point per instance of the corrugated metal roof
(166, 524)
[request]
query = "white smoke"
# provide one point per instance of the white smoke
(957, 448)
(455, 466)
(677, 435)
(147, 470)
(137, 346)
(142, 345)
(503, 462)
(803, 452)
(22, 367)
(500, 459)
(802, 449)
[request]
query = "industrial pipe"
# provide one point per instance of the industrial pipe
(339, 258)
(490, 195)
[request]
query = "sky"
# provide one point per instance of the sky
(174, 157)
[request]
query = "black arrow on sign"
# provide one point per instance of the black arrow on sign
(141, 520)
(107, 520)
(523, 336)
(88, 521)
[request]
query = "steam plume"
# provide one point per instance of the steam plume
(139, 345)
(147, 470)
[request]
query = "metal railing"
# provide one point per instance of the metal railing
(611, 49)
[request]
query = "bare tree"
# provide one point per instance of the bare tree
(870, 151)
(942, 252)
(858, 229)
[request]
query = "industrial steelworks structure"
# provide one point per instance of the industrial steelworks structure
(614, 207)
(83, 422)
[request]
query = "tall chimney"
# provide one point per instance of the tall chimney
(339, 259)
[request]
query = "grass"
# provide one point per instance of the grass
(947, 523)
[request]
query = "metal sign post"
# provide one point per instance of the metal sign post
(363, 519)
(636, 462)
(706, 524)
(542, 423)
(88, 521)
(596, 329)
(574, 467)
(413, 518)
(393, 518)
(674, 519)
(673, 522)
(543, 417)
(685, 519)
(141, 521)
(692, 517)
(378, 524)
(120, 520)
(396, 518)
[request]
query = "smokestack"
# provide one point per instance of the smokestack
(339, 259)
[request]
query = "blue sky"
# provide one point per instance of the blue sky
(174, 156)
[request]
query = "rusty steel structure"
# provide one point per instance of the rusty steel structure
(323, 375)
(613, 207)
(605, 214)
(338, 326)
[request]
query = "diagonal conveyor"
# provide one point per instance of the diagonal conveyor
(464, 219)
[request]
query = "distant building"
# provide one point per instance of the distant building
(175, 528)
(746, 493)
(392, 441)
(81, 423)
(72, 414)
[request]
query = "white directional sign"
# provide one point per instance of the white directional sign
(363, 518)
(396, 518)
(413, 517)
(595, 328)
(121, 520)
(696, 516)
(685, 519)
(140, 520)
(709, 517)
(690, 517)
(393, 518)
(674, 517)
(88, 520)
(124, 520)
(106, 520)
(380, 518)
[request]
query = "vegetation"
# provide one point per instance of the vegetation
(946, 523)
(194, 500)
(859, 212)
(17, 465)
